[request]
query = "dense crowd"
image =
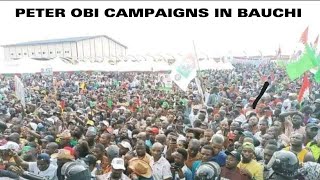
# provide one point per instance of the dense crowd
(94, 125)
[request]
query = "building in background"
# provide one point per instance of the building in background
(78, 48)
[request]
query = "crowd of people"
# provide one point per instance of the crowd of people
(118, 126)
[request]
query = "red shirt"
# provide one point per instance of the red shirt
(233, 174)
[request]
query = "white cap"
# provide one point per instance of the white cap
(118, 163)
(106, 123)
(10, 145)
(33, 126)
(127, 145)
(122, 107)
(181, 138)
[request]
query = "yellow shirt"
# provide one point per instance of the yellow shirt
(315, 149)
(300, 155)
(82, 86)
(255, 168)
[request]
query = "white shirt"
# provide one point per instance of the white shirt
(108, 176)
(161, 169)
(49, 174)
(286, 106)
(241, 118)
(192, 118)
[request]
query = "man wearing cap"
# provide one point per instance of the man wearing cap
(117, 171)
(41, 167)
(47, 139)
(314, 145)
(231, 171)
(90, 137)
(248, 165)
(91, 161)
(153, 132)
(124, 147)
(194, 114)
(140, 170)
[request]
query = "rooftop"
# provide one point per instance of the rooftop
(53, 41)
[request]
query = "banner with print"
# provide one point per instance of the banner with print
(164, 81)
(185, 69)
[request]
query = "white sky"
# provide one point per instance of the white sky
(213, 36)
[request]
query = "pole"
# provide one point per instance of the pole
(198, 80)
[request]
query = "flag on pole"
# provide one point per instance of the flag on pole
(278, 54)
(315, 44)
(184, 70)
(199, 87)
(304, 36)
(304, 91)
(307, 61)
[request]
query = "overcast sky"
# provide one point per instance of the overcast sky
(212, 36)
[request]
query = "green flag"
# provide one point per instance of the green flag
(307, 61)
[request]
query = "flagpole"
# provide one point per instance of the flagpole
(195, 52)
(198, 69)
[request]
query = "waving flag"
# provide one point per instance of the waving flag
(304, 36)
(184, 71)
(304, 91)
(305, 62)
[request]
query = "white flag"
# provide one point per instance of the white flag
(184, 70)
(19, 90)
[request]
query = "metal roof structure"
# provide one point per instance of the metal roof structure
(64, 40)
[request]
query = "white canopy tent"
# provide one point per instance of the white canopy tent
(108, 64)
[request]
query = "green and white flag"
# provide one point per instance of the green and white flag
(305, 62)
(184, 70)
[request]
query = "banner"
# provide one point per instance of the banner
(184, 71)
(164, 81)
(19, 90)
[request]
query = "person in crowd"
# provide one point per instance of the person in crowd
(231, 171)
(85, 120)
(179, 169)
(41, 167)
(141, 149)
(91, 162)
(193, 152)
(218, 154)
(206, 155)
(269, 150)
(296, 146)
(248, 165)
(161, 166)
(140, 170)
(116, 172)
